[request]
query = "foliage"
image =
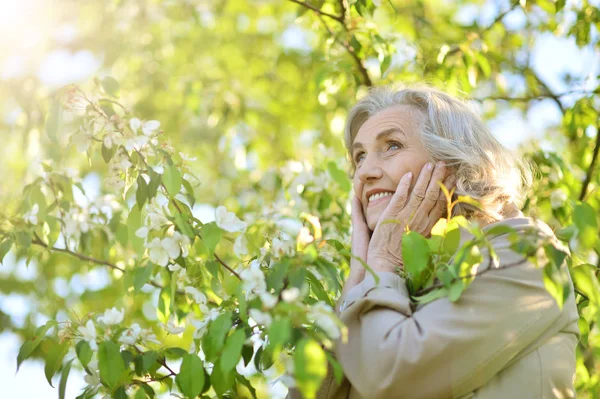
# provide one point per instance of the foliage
(191, 306)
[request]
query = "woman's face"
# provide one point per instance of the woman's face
(386, 147)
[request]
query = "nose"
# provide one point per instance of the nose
(369, 170)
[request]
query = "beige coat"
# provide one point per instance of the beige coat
(504, 338)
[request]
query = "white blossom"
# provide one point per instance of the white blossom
(142, 232)
(253, 280)
(290, 294)
(112, 316)
(183, 242)
(93, 379)
(173, 328)
(283, 246)
(135, 124)
(31, 216)
(322, 315)
(185, 157)
(111, 138)
(304, 236)
(88, 333)
(82, 139)
(76, 222)
(198, 296)
(163, 250)
(228, 221)
(268, 300)
(159, 169)
(155, 216)
(149, 127)
(131, 335)
(240, 246)
(259, 317)
(135, 142)
(558, 198)
(115, 183)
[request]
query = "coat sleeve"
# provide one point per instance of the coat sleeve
(443, 349)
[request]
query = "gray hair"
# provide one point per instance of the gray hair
(451, 132)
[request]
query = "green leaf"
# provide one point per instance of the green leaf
(149, 360)
(141, 195)
(216, 335)
(247, 352)
(456, 290)
(211, 235)
(64, 376)
(53, 120)
(108, 153)
(280, 331)
(54, 359)
(484, 64)
(110, 363)
(142, 276)
(232, 350)
(553, 284)
(172, 180)
(339, 176)
(184, 225)
(385, 64)
(221, 381)
(155, 181)
(120, 393)
(110, 86)
(431, 296)
(560, 4)
(134, 222)
(84, 352)
(310, 365)
(584, 217)
(190, 379)
(5, 246)
(31, 344)
(415, 252)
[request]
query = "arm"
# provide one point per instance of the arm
(443, 349)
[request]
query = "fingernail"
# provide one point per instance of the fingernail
(441, 163)
(408, 175)
(429, 166)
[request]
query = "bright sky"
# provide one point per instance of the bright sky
(552, 59)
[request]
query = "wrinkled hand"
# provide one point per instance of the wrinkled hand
(419, 210)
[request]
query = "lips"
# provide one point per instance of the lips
(378, 201)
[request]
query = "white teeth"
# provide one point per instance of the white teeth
(379, 195)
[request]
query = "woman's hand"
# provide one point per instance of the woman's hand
(361, 236)
(419, 210)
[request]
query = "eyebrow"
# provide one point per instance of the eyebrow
(380, 136)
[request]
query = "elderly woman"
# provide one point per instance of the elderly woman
(505, 337)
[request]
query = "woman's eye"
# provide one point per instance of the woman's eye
(392, 144)
(358, 157)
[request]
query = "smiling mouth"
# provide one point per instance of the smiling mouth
(378, 201)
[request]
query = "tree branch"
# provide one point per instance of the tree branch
(590, 170)
(436, 286)
(342, 21)
(305, 4)
(38, 241)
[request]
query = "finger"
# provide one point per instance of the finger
(420, 189)
(360, 232)
(399, 198)
(433, 189)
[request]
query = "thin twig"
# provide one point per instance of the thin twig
(318, 11)
(590, 170)
(38, 241)
(342, 21)
(435, 286)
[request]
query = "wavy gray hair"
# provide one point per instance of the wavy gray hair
(453, 133)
